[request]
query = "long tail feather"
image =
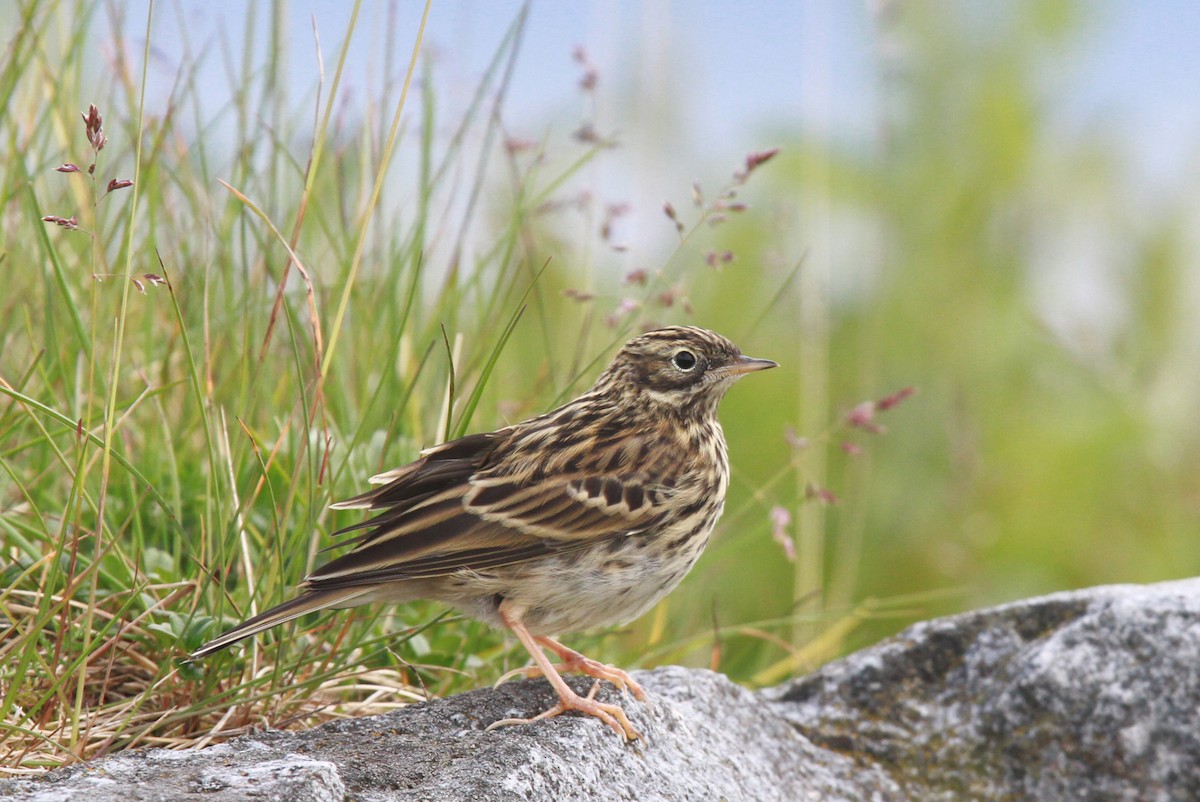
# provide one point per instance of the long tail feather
(310, 601)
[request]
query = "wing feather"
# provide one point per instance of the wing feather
(452, 510)
(439, 468)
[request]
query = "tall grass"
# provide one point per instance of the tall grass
(295, 294)
(199, 357)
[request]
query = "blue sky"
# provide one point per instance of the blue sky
(718, 76)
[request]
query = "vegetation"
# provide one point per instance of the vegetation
(290, 297)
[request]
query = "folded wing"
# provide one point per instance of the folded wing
(452, 510)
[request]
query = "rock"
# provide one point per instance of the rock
(1084, 695)
(704, 736)
(1091, 695)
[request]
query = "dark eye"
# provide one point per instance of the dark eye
(684, 360)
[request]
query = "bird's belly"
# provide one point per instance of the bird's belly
(602, 586)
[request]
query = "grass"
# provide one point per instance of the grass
(201, 356)
(296, 293)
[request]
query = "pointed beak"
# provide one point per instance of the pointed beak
(748, 364)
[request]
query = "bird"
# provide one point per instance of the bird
(583, 517)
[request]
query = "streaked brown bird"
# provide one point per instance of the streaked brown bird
(582, 517)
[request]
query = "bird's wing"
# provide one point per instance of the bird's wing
(439, 468)
(451, 511)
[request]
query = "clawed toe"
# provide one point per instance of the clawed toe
(611, 674)
(511, 614)
(525, 672)
(612, 715)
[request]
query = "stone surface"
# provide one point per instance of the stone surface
(1093, 694)
(1086, 695)
(705, 738)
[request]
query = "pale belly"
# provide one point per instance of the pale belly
(599, 587)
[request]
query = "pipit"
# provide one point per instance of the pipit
(579, 518)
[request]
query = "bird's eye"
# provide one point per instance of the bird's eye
(684, 360)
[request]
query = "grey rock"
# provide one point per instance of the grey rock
(1087, 695)
(704, 738)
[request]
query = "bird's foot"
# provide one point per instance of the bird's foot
(612, 715)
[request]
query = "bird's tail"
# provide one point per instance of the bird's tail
(309, 602)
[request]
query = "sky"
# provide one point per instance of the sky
(715, 77)
(689, 88)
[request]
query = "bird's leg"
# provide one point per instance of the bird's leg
(612, 715)
(573, 661)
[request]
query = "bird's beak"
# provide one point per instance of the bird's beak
(748, 364)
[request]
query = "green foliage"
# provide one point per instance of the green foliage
(1048, 448)
(314, 303)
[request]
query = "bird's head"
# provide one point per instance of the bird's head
(681, 367)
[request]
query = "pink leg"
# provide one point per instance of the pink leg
(612, 715)
(574, 661)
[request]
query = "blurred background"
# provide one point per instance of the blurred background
(993, 204)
